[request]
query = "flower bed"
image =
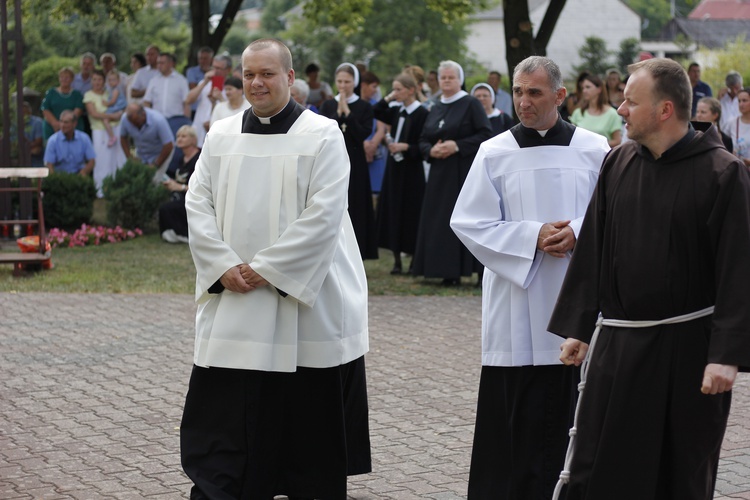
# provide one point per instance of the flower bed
(90, 235)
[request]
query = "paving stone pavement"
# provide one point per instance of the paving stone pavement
(92, 387)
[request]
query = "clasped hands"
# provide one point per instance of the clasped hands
(556, 238)
(442, 149)
(242, 279)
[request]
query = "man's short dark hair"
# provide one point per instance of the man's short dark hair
(206, 50)
(693, 65)
(170, 56)
(370, 77)
(671, 83)
(234, 82)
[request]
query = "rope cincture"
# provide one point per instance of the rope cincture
(615, 323)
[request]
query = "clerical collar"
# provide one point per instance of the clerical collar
(560, 134)
(278, 123)
(675, 148)
(352, 98)
(455, 97)
(411, 107)
(268, 120)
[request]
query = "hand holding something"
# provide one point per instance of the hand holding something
(573, 352)
(398, 147)
(718, 378)
(232, 280)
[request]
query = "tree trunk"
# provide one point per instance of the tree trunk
(548, 25)
(200, 13)
(519, 36)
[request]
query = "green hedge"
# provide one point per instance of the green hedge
(68, 200)
(132, 196)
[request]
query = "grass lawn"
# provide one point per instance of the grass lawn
(146, 264)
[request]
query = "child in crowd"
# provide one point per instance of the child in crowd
(116, 103)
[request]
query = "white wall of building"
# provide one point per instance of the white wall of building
(610, 20)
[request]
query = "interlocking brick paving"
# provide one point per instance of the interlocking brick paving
(92, 387)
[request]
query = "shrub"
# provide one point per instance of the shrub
(68, 200)
(132, 197)
(42, 75)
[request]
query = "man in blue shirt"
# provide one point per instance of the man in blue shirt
(700, 88)
(153, 139)
(69, 150)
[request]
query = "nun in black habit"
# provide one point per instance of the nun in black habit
(452, 133)
(355, 119)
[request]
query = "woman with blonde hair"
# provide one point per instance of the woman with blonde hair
(172, 215)
(58, 99)
(403, 182)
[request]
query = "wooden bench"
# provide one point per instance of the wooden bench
(19, 259)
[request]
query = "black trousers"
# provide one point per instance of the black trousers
(249, 434)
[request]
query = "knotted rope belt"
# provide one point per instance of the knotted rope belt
(615, 323)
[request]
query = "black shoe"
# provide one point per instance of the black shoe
(451, 282)
(396, 269)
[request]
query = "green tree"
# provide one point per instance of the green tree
(734, 56)
(594, 56)
(629, 49)
(386, 42)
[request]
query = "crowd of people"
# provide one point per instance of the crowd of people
(406, 169)
(653, 194)
(648, 233)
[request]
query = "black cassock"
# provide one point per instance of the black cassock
(439, 253)
(661, 238)
(356, 128)
(402, 192)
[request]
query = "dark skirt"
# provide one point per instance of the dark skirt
(172, 215)
(248, 434)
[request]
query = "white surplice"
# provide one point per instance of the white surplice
(509, 194)
(279, 203)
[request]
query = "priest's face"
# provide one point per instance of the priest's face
(535, 100)
(265, 81)
(639, 109)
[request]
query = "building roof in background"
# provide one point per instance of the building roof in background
(707, 32)
(721, 9)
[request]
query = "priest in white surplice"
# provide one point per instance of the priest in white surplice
(277, 403)
(519, 213)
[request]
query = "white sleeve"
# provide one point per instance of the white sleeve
(507, 248)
